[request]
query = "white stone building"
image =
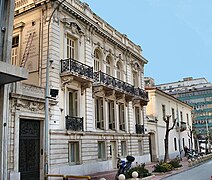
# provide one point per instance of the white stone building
(162, 105)
(96, 109)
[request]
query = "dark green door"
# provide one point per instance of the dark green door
(29, 150)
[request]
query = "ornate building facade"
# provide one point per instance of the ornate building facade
(96, 99)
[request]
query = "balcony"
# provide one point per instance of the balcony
(183, 126)
(139, 129)
(81, 72)
(111, 83)
(74, 123)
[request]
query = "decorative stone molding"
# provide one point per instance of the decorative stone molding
(28, 105)
(84, 86)
(66, 80)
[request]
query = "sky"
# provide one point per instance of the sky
(175, 35)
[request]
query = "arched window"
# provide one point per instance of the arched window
(135, 74)
(96, 60)
(108, 65)
(118, 71)
(135, 79)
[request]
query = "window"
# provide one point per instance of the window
(121, 117)
(135, 79)
(175, 144)
(71, 48)
(108, 65)
(96, 60)
(173, 115)
(187, 119)
(99, 117)
(181, 116)
(164, 111)
(111, 115)
(118, 71)
(74, 153)
(183, 142)
(101, 150)
(137, 115)
(123, 148)
(140, 148)
(73, 103)
(14, 52)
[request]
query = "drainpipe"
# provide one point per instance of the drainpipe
(46, 128)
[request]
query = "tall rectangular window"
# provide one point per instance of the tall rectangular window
(123, 148)
(164, 111)
(101, 150)
(71, 48)
(175, 144)
(111, 115)
(73, 103)
(187, 117)
(140, 147)
(137, 115)
(181, 116)
(99, 113)
(14, 52)
(173, 115)
(135, 79)
(74, 155)
(121, 117)
(183, 142)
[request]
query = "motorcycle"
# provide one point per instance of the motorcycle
(124, 166)
(192, 154)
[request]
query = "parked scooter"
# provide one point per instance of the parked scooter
(124, 166)
(192, 154)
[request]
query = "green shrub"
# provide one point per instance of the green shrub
(162, 167)
(175, 163)
(140, 169)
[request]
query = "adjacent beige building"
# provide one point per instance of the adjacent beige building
(97, 97)
(162, 105)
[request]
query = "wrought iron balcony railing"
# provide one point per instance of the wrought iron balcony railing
(74, 123)
(71, 65)
(139, 129)
(100, 77)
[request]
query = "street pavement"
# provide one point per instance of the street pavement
(109, 175)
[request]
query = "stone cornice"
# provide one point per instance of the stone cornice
(97, 28)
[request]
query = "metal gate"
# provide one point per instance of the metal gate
(29, 149)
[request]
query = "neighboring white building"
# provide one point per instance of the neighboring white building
(161, 105)
(96, 108)
(187, 84)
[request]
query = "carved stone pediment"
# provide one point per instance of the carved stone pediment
(74, 26)
(33, 106)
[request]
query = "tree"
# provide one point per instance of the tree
(166, 141)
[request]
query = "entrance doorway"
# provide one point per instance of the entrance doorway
(29, 149)
(113, 153)
(152, 147)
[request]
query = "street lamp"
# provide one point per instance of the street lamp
(46, 125)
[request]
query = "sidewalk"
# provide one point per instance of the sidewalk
(111, 174)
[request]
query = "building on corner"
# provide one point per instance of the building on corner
(96, 100)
